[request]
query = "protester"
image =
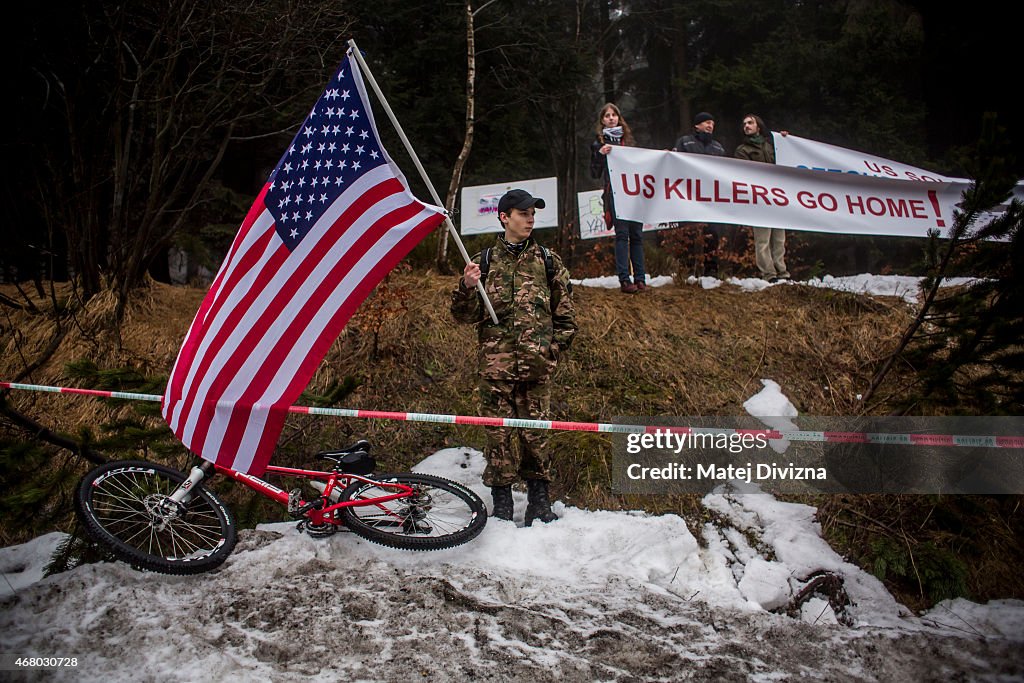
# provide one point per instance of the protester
(769, 243)
(611, 130)
(702, 141)
(529, 289)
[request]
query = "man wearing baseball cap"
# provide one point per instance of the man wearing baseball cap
(530, 291)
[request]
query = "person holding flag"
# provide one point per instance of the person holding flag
(532, 297)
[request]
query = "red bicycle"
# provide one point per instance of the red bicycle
(158, 518)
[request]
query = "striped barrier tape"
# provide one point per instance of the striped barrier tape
(773, 434)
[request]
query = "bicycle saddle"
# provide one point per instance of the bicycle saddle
(361, 446)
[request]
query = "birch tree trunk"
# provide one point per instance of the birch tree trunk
(467, 142)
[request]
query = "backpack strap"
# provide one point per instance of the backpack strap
(485, 264)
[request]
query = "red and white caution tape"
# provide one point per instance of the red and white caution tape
(791, 435)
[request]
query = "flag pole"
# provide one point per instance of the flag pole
(419, 167)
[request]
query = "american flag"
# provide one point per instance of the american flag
(333, 219)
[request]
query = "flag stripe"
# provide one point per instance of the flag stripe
(226, 312)
(192, 337)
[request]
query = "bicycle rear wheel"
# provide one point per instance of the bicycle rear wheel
(125, 506)
(439, 514)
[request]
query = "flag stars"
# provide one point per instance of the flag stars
(319, 165)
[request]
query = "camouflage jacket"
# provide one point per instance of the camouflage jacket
(535, 322)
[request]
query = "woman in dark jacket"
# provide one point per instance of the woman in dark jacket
(611, 130)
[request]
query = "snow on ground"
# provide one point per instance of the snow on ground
(596, 596)
(903, 286)
(612, 282)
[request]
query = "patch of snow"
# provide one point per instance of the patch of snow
(597, 595)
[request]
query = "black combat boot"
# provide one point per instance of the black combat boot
(538, 505)
(502, 496)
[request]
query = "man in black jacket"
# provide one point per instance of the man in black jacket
(702, 141)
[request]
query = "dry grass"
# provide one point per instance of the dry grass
(672, 351)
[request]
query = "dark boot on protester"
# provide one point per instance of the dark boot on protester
(502, 496)
(538, 504)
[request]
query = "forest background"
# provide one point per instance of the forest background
(136, 128)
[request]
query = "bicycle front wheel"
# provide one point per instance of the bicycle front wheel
(439, 514)
(126, 507)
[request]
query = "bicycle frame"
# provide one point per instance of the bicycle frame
(317, 511)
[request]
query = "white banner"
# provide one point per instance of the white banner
(591, 211)
(658, 187)
(480, 205)
(797, 152)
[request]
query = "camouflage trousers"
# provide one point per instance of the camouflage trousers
(522, 400)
